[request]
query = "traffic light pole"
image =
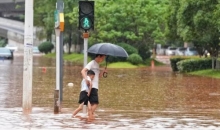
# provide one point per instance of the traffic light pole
(86, 22)
(85, 37)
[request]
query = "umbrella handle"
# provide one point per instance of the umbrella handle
(105, 74)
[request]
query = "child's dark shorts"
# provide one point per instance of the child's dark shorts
(83, 97)
(94, 98)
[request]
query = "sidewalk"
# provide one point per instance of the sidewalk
(44, 119)
(163, 59)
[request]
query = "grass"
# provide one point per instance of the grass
(71, 57)
(74, 57)
(51, 55)
(121, 65)
(207, 73)
(78, 58)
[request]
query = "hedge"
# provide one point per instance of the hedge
(174, 60)
(190, 65)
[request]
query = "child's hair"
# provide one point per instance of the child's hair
(90, 72)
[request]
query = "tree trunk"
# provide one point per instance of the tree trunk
(213, 62)
(69, 43)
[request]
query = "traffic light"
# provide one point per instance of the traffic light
(86, 15)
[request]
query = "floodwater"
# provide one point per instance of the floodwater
(130, 99)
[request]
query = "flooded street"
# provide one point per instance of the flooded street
(130, 99)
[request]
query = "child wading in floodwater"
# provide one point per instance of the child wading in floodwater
(84, 94)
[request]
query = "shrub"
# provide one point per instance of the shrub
(135, 59)
(144, 51)
(45, 47)
(194, 64)
(116, 59)
(130, 49)
(2, 42)
(173, 62)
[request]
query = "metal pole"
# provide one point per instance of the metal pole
(28, 57)
(85, 36)
(57, 31)
(56, 92)
(61, 70)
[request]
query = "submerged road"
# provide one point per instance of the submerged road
(130, 99)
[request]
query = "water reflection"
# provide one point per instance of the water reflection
(129, 98)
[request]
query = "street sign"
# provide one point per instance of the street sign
(56, 18)
(61, 22)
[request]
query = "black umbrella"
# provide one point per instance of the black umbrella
(108, 49)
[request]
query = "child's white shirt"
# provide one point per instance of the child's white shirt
(84, 86)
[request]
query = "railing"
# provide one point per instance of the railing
(11, 23)
(15, 30)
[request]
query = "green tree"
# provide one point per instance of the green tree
(44, 17)
(135, 22)
(71, 29)
(141, 24)
(172, 37)
(196, 21)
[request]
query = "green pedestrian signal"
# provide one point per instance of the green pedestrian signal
(85, 23)
(86, 15)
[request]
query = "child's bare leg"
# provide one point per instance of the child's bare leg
(93, 108)
(90, 111)
(78, 109)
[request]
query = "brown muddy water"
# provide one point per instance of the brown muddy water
(130, 99)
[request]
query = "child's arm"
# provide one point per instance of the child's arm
(90, 88)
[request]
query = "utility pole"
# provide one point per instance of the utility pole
(59, 28)
(28, 57)
(85, 37)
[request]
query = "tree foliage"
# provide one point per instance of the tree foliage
(171, 34)
(139, 24)
(195, 21)
(44, 17)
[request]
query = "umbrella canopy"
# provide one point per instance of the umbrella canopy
(108, 49)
